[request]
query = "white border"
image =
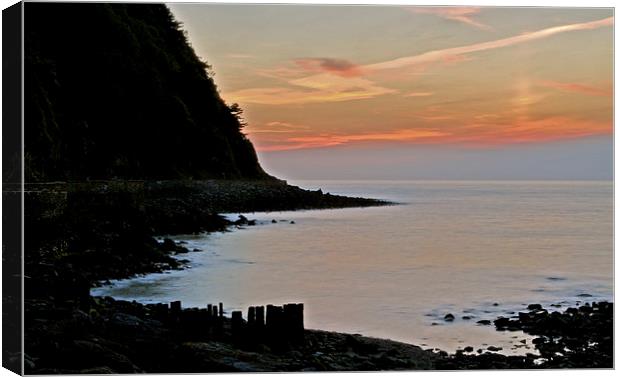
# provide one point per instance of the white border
(539, 3)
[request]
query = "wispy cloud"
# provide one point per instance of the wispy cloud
(459, 14)
(277, 127)
(529, 130)
(479, 131)
(340, 67)
(330, 140)
(339, 80)
(418, 94)
(312, 89)
(577, 88)
(442, 55)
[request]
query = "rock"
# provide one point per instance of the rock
(484, 322)
(448, 317)
(534, 307)
(274, 221)
(494, 349)
(538, 341)
(168, 245)
(468, 349)
(466, 317)
(91, 355)
(292, 222)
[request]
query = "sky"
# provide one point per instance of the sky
(405, 92)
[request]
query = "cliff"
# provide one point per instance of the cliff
(116, 91)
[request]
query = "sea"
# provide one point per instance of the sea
(475, 249)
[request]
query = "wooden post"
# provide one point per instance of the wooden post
(271, 320)
(215, 311)
(300, 316)
(221, 310)
(236, 322)
(251, 316)
(175, 307)
(299, 322)
(260, 316)
(210, 310)
(288, 322)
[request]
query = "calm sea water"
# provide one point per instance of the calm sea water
(478, 249)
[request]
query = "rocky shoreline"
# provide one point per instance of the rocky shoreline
(82, 233)
(103, 335)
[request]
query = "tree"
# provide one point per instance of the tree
(237, 112)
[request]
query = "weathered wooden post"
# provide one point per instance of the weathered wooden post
(300, 316)
(299, 322)
(236, 323)
(175, 312)
(288, 320)
(260, 316)
(251, 316)
(271, 320)
(221, 310)
(274, 329)
(210, 310)
(215, 311)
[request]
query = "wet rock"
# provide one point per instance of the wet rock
(494, 349)
(534, 307)
(484, 322)
(448, 317)
(274, 221)
(501, 322)
(168, 245)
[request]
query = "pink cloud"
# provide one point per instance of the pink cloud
(339, 80)
(577, 88)
(330, 140)
(340, 67)
(312, 89)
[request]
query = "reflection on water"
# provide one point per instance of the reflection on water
(477, 250)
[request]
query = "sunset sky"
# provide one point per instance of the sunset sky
(397, 92)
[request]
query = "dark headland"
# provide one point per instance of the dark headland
(127, 138)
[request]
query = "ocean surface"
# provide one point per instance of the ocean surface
(480, 249)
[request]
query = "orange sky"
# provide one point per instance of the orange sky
(319, 77)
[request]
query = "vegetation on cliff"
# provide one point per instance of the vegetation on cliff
(116, 91)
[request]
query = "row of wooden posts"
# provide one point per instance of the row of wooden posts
(275, 324)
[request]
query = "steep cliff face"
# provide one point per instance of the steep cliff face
(116, 91)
